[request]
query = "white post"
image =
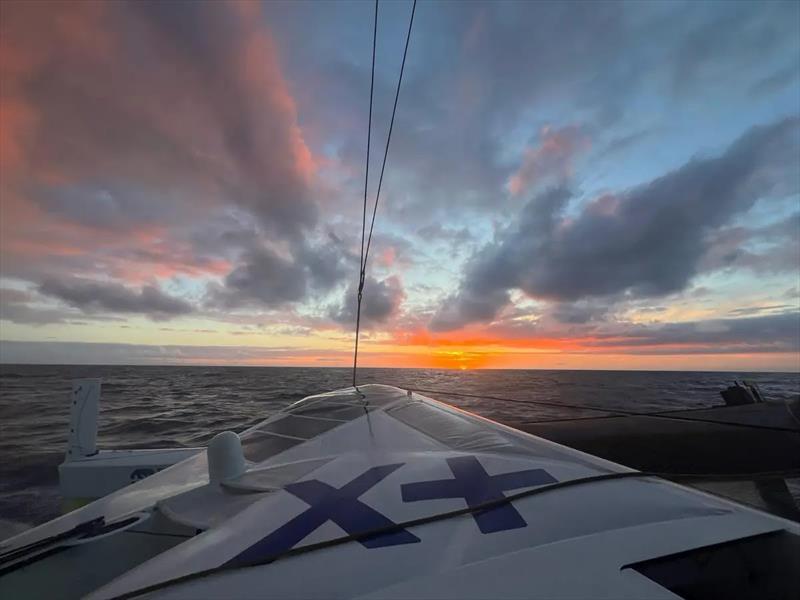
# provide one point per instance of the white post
(83, 409)
(225, 458)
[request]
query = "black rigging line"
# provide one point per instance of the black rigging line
(616, 412)
(365, 250)
(369, 137)
(391, 126)
(361, 268)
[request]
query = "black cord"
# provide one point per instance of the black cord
(365, 250)
(389, 137)
(86, 527)
(609, 411)
(369, 137)
(361, 261)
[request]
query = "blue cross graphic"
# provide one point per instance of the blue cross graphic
(476, 486)
(327, 503)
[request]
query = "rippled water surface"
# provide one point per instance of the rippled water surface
(185, 406)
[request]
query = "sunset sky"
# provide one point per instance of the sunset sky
(600, 185)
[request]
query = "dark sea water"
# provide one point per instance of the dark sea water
(185, 406)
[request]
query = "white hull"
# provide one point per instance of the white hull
(386, 494)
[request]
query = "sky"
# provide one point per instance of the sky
(599, 185)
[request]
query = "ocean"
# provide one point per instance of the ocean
(153, 406)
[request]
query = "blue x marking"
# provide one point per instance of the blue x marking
(327, 503)
(476, 486)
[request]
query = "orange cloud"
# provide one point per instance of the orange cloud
(386, 258)
(468, 338)
(121, 98)
(552, 158)
(260, 70)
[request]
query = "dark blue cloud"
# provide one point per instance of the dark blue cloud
(109, 297)
(380, 302)
(648, 241)
(766, 333)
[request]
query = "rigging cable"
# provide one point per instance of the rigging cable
(361, 269)
(389, 136)
(365, 249)
(610, 412)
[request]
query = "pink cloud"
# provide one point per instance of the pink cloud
(551, 158)
(130, 103)
(387, 257)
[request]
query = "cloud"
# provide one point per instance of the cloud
(717, 45)
(778, 79)
(579, 312)
(625, 141)
(26, 307)
(54, 352)
(645, 242)
(381, 301)
(93, 296)
(491, 273)
(18, 306)
(550, 159)
(264, 276)
(273, 276)
(758, 310)
(200, 148)
(237, 74)
(766, 333)
(482, 78)
(131, 130)
(774, 330)
(772, 248)
(143, 92)
(458, 236)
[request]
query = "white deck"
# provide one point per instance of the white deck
(355, 462)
